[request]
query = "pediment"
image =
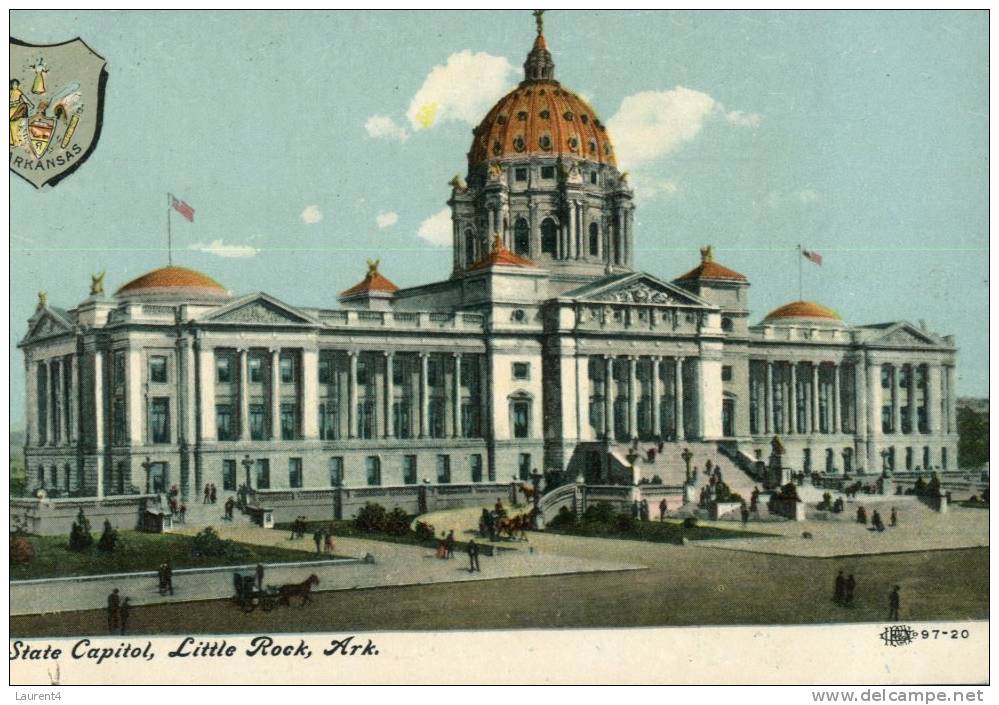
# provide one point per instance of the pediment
(638, 289)
(260, 310)
(905, 335)
(48, 324)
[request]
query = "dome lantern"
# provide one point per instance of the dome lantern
(539, 65)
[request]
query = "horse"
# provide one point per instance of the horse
(528, 491)
(515, 526)
(302, 589)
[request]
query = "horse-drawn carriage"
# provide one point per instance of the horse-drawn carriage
(249, 597)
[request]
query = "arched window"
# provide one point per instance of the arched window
(521, 238)
(594, 239)
(470, 254)
(549, 237)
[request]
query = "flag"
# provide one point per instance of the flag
(183, 208)
(812, 256)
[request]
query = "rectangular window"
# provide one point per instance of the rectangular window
(443, 469)
(228, 475)
(886, 419)
(373, 468)
(223, 368)
(943, 458)
(363, 371)
(287, 369)
(400, 369)
(366, 419)
(521, 370)
(336, 471)
(409, 469)
(593, 177)
(257, 422)
(470, 420)
(159, 420)
(726, 373)
(158, 369)
(524, 466)
(436, 418)
(435, 378)
(886, 378)
(289, 421)
(118, 427)
(521, 419)
(255, 365)
(224, 426)
(475, 466)
(294, 472)
(400, 410)
(329, 426)
(520, 174)
(547, 172)
(263, 474)
(325, 369)
(118, 373)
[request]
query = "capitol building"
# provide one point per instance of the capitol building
(545, 351)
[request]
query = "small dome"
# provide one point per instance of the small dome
(500, 256)
(709, 269)
(373, 282)
(806, 311)
(173, 284)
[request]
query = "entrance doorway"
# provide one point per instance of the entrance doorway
(728, 417)
(157, 478)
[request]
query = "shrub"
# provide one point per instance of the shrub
(624, 522)
(79, 536)
(425, 531)
(21, 550)
(690, 523)
(371, 518)
(109, 539)
(210, 545)
(656, 480)
(565, 517)
(788, 492)
(723, 493)
(18, 486)
(600, 512)
(397, 522)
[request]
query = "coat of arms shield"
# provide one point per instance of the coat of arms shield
(56, 108)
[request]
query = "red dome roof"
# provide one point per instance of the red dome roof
(173, 282)
(709, 269)
(803, 309)
(373, 281)
(499, 255)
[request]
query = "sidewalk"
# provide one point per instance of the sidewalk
(395, 565)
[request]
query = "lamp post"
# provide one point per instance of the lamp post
(247, 465)
(147, 466)
(536, 484)
(687, 457)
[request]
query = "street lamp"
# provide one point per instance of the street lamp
(147, 466)
(687, 457)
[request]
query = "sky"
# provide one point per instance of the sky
(308, 142)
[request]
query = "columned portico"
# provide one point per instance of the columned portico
(681, 433)
(275, 393)
(632, 397)
(244, 396)
(388, 409)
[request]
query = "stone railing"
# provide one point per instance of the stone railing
(433, 320)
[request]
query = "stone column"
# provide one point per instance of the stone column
(352, 396)
(873, 415)
(276, 394)
(98, 392)
(310, 394)
(657, 426)
(681, 433)
(389, 424)
(54, 403)
(816, 427)
(792, 406)
(244, 396)
(72, 419)
(837, 425)
(619, 238)
(424, 396)
(951, 405)
(456, 396)
(485, 401)
(859, 399)
(896, 399)
(933, 397)
(768, 399)
(608, 397)
(573, 231)
(534, 238)
(632, 397)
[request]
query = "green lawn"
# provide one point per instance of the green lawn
(138, 552)
(654, 531)
(347, 529)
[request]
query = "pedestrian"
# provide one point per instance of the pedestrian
(662, 509)
(839, 591)
(328, 542)
(473, 557)
(318, 538)
(168, 576)
(213, 495)
(183, 512)
(114, 611)
(450, 544)
(124, 611)
(260, 576)
(294, 526)
(643, 510)
(861, 516)
(876, 521)
(208, 492)
(491, 526)
(893, 604)
(848, 589)
(483, 523)
(635, 509)
(894, 517)
(744, 510)
(229, 503)
(441, 546)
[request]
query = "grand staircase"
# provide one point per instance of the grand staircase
(671, 468)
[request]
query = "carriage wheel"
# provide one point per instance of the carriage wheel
(267, 603)
(247, 605)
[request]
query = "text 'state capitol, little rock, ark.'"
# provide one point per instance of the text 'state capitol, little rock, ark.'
(541, 360)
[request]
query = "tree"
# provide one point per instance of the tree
(79, 536)
(109, 539)
(973, 441)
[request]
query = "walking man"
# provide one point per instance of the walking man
(114, 611)
(260, 576)
(662, 509)
(208, 492)
(894, 517)
(851, 585)
(318, 538)
(473, 557)
(839, 591)
(168, 576)
(744, 511)
(125, 610)
(449, 543)
(893, 604)
(328, 542)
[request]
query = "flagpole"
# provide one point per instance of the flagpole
(169, 235)
(801, 296)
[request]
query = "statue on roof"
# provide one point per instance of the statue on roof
(373, 267)
(539, 19)
(43, 299)
(707, 254)
(497, 243)
(97, 284)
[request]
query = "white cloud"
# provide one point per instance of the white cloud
(808, 195)
(743, 119)
(651, 124)
(437, 228)
(648, 188)
(221, 249)
(386, 220)
(384, 127)
(311, 215)
(463, 89)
